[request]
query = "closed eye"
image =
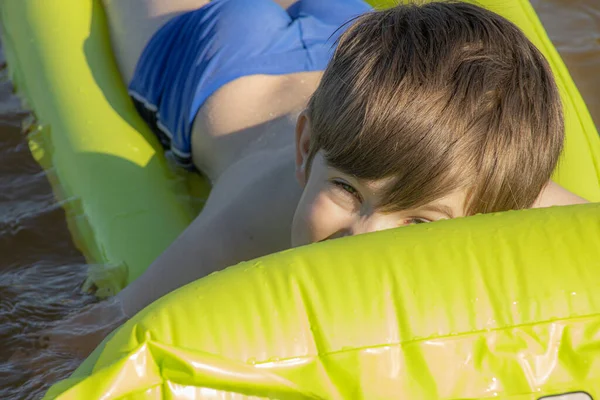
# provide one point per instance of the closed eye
(415, 221)
(347, 189)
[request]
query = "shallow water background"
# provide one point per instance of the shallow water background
(41, 271)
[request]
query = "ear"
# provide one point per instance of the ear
(303, 134)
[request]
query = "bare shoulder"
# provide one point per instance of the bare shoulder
(260, 193)
(555, 195)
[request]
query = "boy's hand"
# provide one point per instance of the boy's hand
(56, 352)
(79, 334)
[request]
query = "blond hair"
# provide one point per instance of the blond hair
(440, 97)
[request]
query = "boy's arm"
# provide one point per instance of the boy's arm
(555, 195)
(248, 215)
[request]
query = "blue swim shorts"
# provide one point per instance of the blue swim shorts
(196, 53)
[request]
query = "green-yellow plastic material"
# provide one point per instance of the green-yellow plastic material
(503, 305)
(493, 306)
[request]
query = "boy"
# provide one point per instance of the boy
(424, 113)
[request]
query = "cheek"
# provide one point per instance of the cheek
(315, 219)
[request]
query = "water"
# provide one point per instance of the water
(41, 271)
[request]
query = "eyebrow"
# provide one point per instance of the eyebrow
(441, 208)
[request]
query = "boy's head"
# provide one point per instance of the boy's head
(423, 106)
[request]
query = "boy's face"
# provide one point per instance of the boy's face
(335, 205)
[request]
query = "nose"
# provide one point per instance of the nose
(364, 224)
(372, 223)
